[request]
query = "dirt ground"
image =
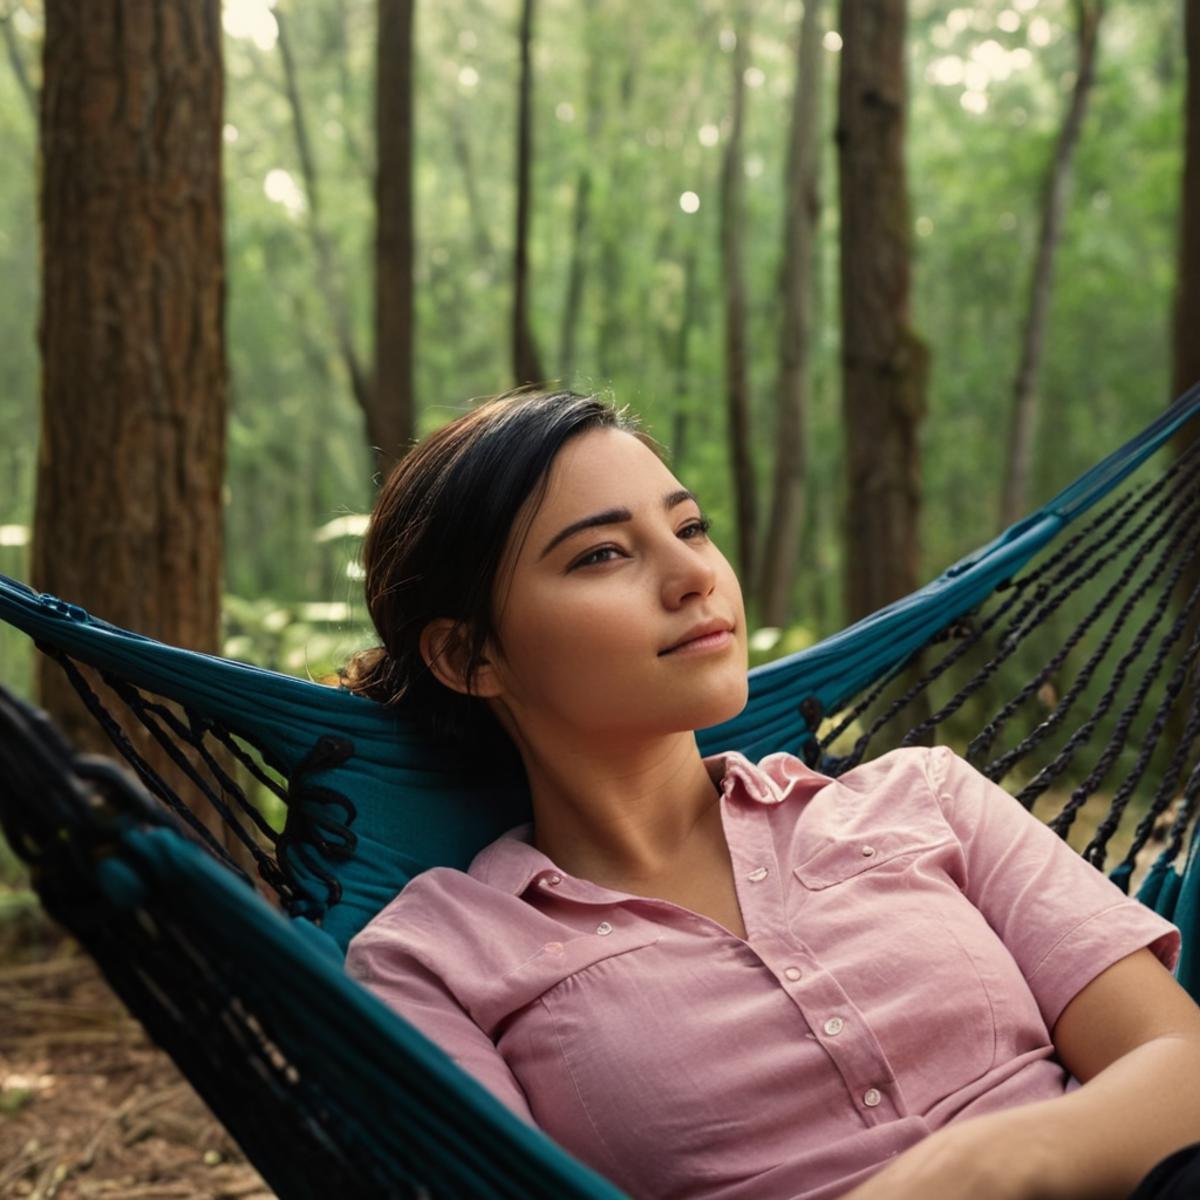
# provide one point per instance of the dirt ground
(89, 1107)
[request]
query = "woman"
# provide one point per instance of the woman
(707, 977)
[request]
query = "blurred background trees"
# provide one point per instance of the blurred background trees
(682, 241)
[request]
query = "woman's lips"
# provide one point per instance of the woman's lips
(701, 645)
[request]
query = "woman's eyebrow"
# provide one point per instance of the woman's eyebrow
(612, 516)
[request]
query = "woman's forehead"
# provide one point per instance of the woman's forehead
(604, 468)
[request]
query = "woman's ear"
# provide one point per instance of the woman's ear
(444, 647)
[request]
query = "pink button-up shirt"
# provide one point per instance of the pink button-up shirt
(913, 935)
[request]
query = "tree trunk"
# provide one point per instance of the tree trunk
(1018, 466)
(527, 367)
(884, 363)
(128, 515)
(1187, 300)
(392, 419)
(680, 372)
(461, 145)
(612, 332)
(802, 210)
(573, 301)
(737, 376)
(1187, 286)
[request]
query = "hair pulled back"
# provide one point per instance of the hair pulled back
(435, 542)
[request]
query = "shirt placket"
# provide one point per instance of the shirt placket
(833, 1019)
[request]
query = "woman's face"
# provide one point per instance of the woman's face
(584, 618)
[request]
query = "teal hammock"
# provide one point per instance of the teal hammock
(1057, 656)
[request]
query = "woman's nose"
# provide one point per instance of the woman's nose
(687, 573)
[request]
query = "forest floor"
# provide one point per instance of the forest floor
(90, 1108)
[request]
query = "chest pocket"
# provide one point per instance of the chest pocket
(552, 963)
(901, 938)
(839, 860)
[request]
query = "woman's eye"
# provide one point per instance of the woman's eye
(693, 530)
(588, 559)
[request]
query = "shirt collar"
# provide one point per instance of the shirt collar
(512, 861)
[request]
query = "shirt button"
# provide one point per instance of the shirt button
(833, 1027)
(553, 947)
(757, 874)
(554, 879)
(792, 972)
(868, 851)
(604, 927)
(871, 1097)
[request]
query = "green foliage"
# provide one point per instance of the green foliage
(297, 458)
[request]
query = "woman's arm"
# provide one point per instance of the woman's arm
(1132, 1038)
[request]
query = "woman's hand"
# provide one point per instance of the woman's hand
(1000, 1156)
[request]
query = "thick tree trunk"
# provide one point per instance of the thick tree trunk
(128, 515)
(884, 363)
(392, 416)
(527, 367)
(737, 375)
(1187, 286)
(802, 208)
(1018, 467)
(1187, 296)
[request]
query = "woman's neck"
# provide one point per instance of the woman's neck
(631, 817)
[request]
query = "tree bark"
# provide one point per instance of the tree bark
(680, 372)
(1187, 300)
(392, 417)
(884, 362)
(802, 209)
(581, 224)
(1187, 287)
(737, 375)
(527, 367)
(1018, 467)
(131, 460)
(612, 332)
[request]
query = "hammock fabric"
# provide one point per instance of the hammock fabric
(325, 1087)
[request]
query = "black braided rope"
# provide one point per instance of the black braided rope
(1000, 766)
(988, 734)
(1120, 731)
(967, 634)
(146, 773)
(1173, 772)
(313, 833)
(1159, 535)
(1072, 574)
(1094, 852)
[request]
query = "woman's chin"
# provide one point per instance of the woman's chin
(722, 705)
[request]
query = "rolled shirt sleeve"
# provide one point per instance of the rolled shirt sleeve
(1063, 921)
(381, 962)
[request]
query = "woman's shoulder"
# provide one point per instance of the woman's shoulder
(901, 767)
(429, 898)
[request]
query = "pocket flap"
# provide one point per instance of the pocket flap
(837, 861)
(549, 965)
